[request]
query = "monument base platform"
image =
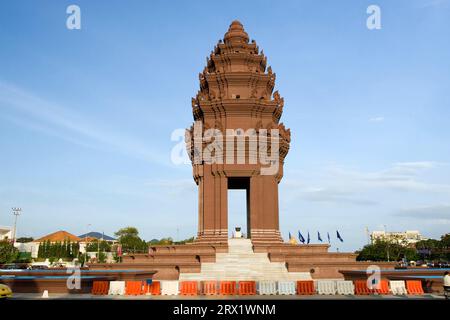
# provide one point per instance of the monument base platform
(242, 259)
(316, 259)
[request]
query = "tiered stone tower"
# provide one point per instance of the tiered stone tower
(236, 92)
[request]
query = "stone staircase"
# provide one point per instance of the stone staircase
(241, 263)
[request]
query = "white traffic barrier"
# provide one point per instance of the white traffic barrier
(326, 287)
(45, 294)
(116, 288)
(267, 287)
(169, 287)
(398, 287)
(286, 287)
(345, 287)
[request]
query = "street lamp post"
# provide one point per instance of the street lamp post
(86, 244)
(16, 213)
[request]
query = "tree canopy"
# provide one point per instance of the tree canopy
(397, 249)
(129, 239)
(8, 253)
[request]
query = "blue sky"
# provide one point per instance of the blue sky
(86, 115)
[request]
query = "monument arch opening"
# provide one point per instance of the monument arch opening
(239, 206)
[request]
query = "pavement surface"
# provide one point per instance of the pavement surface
(55, 296)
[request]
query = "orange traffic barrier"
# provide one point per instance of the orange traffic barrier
(383, 287)
(188, 288)
(133, 288)
(305, 287)
(247, 288)
(100, 287)
(153, 288)
(228, 287)
(209, 288)
(414, 287)
(361, 287)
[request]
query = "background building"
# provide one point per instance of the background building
(93, 235)
(6, 233)
(410, 236)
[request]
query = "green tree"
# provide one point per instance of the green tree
(188, 240)
(23, 257)
(129, 239)
(97, 245)
(24, 239)
(8, 253)
(69, 253)
(382, 250)
(75, 249)
(40, 250)
(445, 241)
(101, 257)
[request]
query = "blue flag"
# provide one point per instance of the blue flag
(339, 236)
(318, 236)
(307, 241)
(290, 237)
(300, 237)
(328, 235)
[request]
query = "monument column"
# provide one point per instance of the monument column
(213, 206)
(264, 224)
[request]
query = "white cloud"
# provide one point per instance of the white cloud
(401, 175)
(44, 116)
(431, 212)
(334, 195)
(376, 119)
(337, 184)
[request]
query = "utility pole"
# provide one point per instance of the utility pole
(368, 235)
(387, 242)
(16, 213)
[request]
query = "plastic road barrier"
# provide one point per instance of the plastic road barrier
(209, 288)
(267, 287)
(153, 288)
(100, 287)
(305, 287)
(361, 287)
(326, 287)
(383, 287)
(398, 287)
(345, 287)
(414, 287)
(169, 287)
(247, 288)
(188, 288)
(133, 288)
(227, 288)
(286, 287)
(116, 288)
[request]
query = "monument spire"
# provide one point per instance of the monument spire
(236, 33)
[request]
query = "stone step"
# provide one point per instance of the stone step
(241, 263)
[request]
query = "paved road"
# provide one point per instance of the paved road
(33, 296)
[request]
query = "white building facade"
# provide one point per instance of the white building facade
(6, 233)
(409, 236)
